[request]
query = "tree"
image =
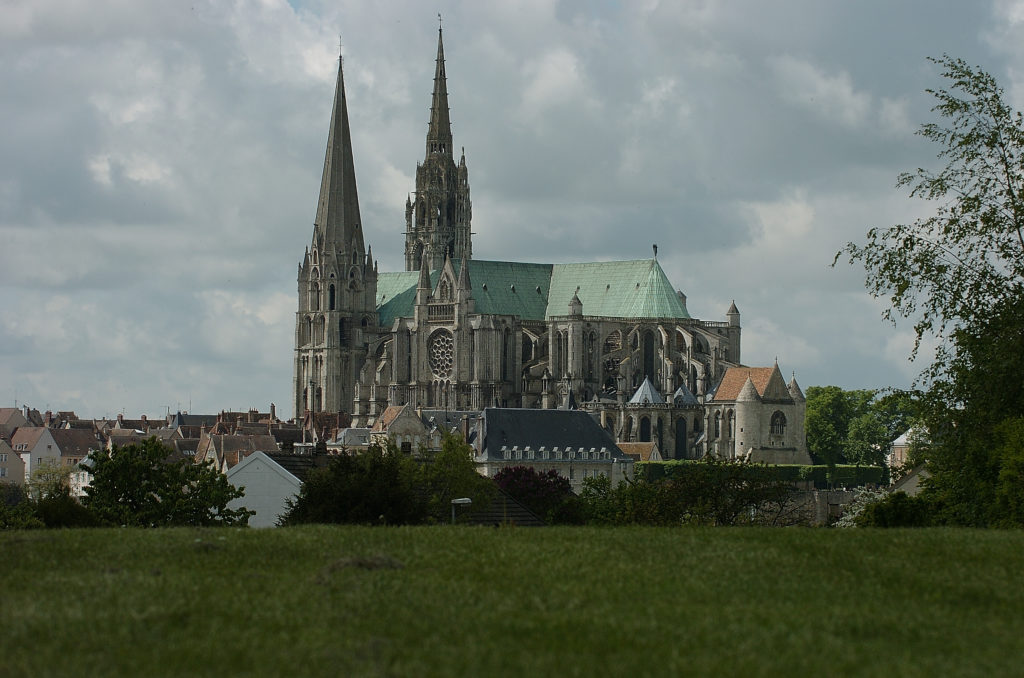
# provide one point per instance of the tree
(959, 265)
(856, 426)
(546, 493)
(451, 474)
(378, 486)
(826, 422)
(712, 491)
(17, 512)
(50, 478)
(959, 274)
(139, 485)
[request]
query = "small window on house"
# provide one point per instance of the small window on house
(407, 448)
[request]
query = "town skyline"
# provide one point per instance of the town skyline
(162, 167)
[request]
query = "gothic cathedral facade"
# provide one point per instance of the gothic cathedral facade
(457, 333)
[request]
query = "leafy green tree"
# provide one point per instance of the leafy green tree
(827, 422)
(965, 261)
(598, 501)
(1009, 499)
(855, 427)
(971, 422)
(867, 440)
(49, 478)
(380, 486)
(17, 511)
(959, 274)
(451, 474)
(138, 485)
(712, 491)
(546, 493)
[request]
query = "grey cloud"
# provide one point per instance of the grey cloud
(160, 165)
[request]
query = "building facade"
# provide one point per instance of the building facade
(452, 332)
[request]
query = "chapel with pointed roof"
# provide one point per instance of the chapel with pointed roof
(453, 332)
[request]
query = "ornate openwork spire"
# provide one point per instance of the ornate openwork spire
(439, 132)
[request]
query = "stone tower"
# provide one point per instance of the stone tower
(337, 282)
(438, 214)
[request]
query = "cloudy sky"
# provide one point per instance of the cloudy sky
(160, 165)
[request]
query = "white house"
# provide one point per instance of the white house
(268, 484)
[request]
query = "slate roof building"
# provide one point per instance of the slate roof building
(568, 441)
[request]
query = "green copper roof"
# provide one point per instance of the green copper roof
(512, 288)
(396, 295)
(613, 289)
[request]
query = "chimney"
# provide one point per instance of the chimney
(273, 412)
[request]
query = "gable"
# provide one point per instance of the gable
(768, 383)
(261, 463)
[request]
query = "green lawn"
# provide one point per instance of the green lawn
(445, 601)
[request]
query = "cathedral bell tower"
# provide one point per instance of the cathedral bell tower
(438, 213)
(337, 282)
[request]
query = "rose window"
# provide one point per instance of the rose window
(440, 352)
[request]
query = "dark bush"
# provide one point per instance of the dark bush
(898, 509)
(546, 493)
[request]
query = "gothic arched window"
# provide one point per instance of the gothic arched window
(645, 430)
(330, 297)
(778, 426)
(718, 424)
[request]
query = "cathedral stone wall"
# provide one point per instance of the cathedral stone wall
(456, 333)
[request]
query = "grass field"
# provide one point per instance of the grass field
(444, 601)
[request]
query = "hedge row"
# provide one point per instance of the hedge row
(822, 476)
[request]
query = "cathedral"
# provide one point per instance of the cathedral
(455, 333)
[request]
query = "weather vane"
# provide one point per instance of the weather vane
(438, 21)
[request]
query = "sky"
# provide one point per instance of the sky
(160, 165)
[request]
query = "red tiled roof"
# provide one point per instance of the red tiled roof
(735, 377)
(387, 416)
(639, 451)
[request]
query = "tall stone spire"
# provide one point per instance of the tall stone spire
(439, 131)
(337, 212)
(337, 283)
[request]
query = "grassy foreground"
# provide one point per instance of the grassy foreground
(444, 601)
